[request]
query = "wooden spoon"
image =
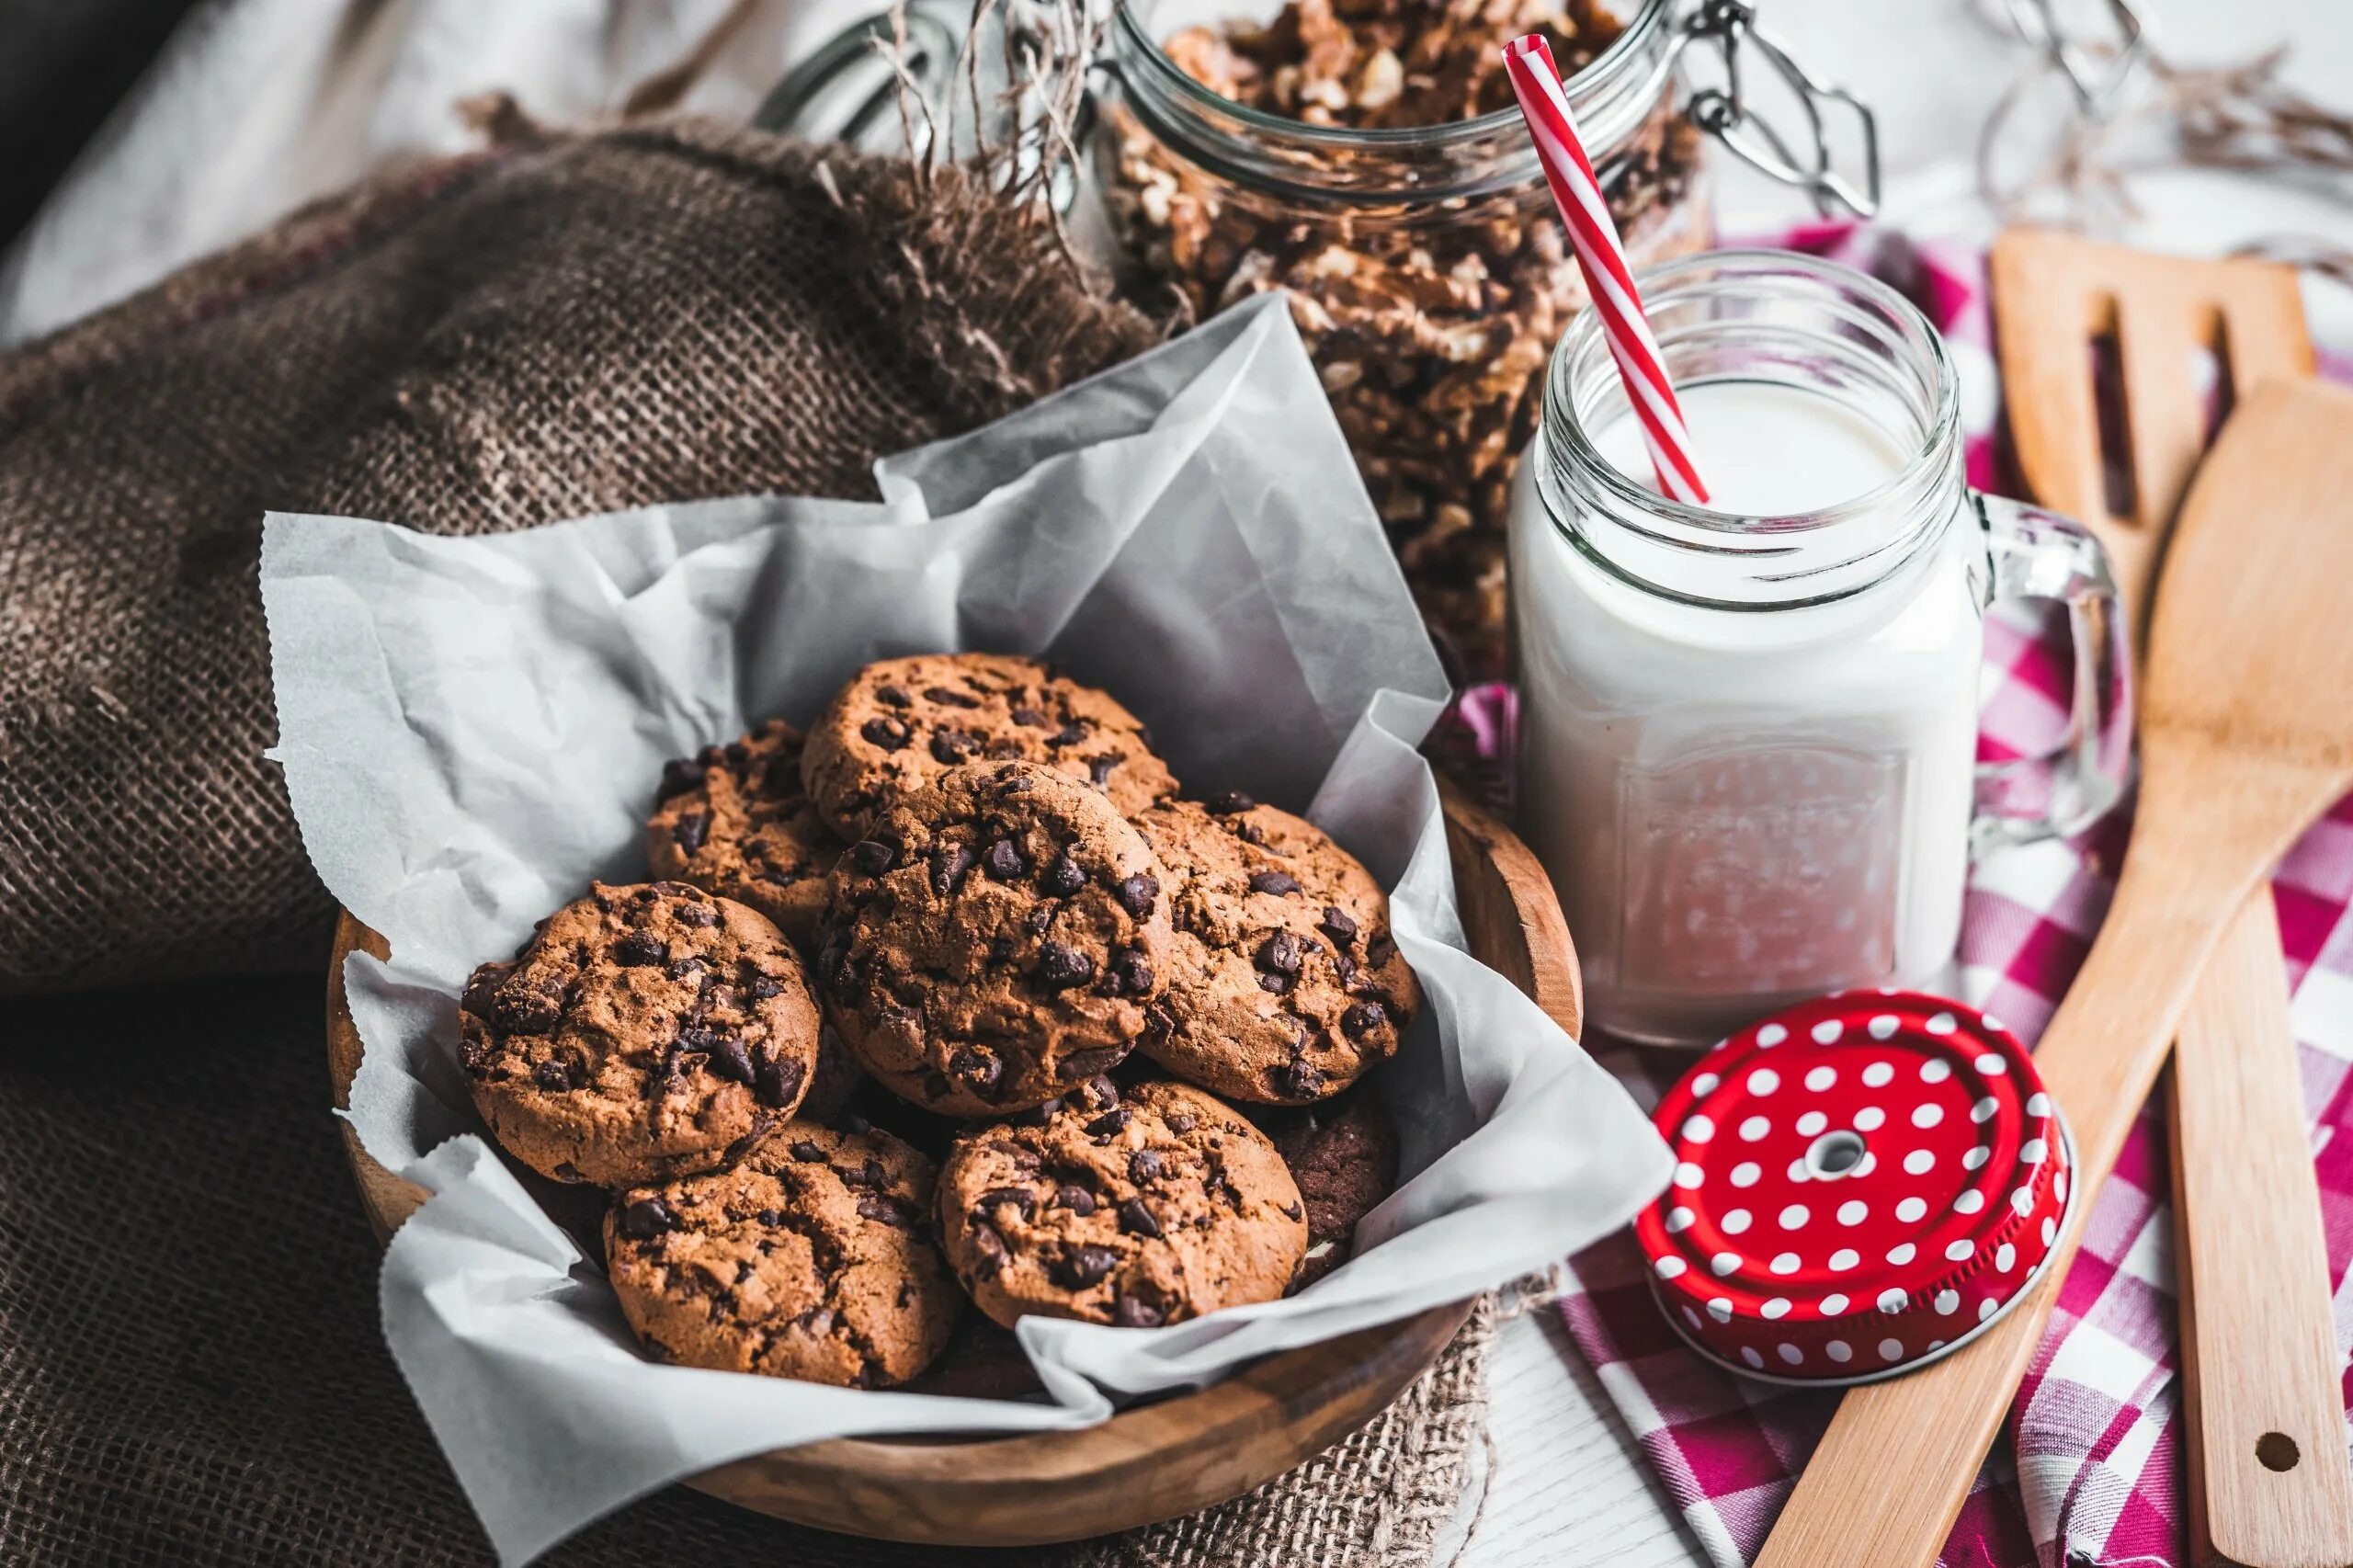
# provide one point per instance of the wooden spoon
(2270, 1484)
(2246, 737)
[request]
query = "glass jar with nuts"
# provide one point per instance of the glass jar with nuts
(1367, 155)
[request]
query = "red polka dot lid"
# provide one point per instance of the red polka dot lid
(1861, 1183)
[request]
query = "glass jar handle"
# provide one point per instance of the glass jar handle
(1724, 113)
(2036, 554)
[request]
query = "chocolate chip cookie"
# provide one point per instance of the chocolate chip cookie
(1283, 985)
(1136, 1209)
(811, 1259)
(995, 938)
(645, 1033)
(1343, 1154)
(734, 820)
(902, 722)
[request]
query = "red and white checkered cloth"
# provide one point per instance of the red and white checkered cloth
(2092, 1470)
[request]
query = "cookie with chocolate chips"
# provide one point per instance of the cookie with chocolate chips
(644, 1033)
(901, 723)
(1284, 985)
(813, 1259)
(1137, 1208)
(734, 820)
(995, 938)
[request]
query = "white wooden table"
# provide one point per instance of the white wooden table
(1563, 1485)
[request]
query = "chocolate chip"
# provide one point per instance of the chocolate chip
(700, 917)
(1138, 893)
(1030, 718)
(1004, 860)
(883, 1209)
(777, 1082)
(1013, 781)
(689, 831)
(730, 1061)
(952, 699)
(555, 1077)
(1001, 949)
(892, 696)
(1110, 1122)
(891, 735)
(1180, 1122)
(763, 986)
(1020, 1197)
(1345, 967)
(873, 856)
(1296, 1080)
(1093, 1061)
(1036, 1116)
(808, 1154)
(1064, 876)
(692, 968)
(869, 1174)
(1379, 952)
(1226, 802)
(1274, 883)
(1131, 1311)
(646, 1219)
(1060, 966)
(679, 775)
(948, 867)
(654, 890)
(949, 748)
(1070, 734)
(1136, 1220)
(1131, 972)
(1143, 1165)
(527, 1009)
(635, 948)
(1250, 833)
(1338, 926)
(1271, 979)
(991, 1246)
(1075, 1199)
(1098, 1093)
(1362, 1019)
(1098, 770)
(981, 1070)
(1278, 954)
(1082, 1268)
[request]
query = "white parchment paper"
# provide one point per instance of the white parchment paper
(472, 729)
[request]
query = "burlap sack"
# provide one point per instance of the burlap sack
(190, 1368)
(554, 328)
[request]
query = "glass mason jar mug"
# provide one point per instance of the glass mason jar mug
(1411, 227)
(1748, 734)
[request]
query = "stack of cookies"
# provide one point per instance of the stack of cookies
(873, 1043)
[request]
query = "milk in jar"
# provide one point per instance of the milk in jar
(1747, 732)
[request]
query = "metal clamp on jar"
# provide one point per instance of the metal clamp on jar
(1427, 269)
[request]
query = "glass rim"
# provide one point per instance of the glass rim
(1931, 451)
(1606, 70)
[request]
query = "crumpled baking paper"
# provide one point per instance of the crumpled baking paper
(472, 730)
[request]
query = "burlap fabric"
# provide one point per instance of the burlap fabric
(191, 1368)
(553, 329)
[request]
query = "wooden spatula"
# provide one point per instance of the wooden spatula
(2270, 1485)
(2246, 737)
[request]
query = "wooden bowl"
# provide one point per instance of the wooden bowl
(1155, 1461)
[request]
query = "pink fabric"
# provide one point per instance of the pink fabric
(2091, 1473)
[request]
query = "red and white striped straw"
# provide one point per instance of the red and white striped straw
(1602, 258)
